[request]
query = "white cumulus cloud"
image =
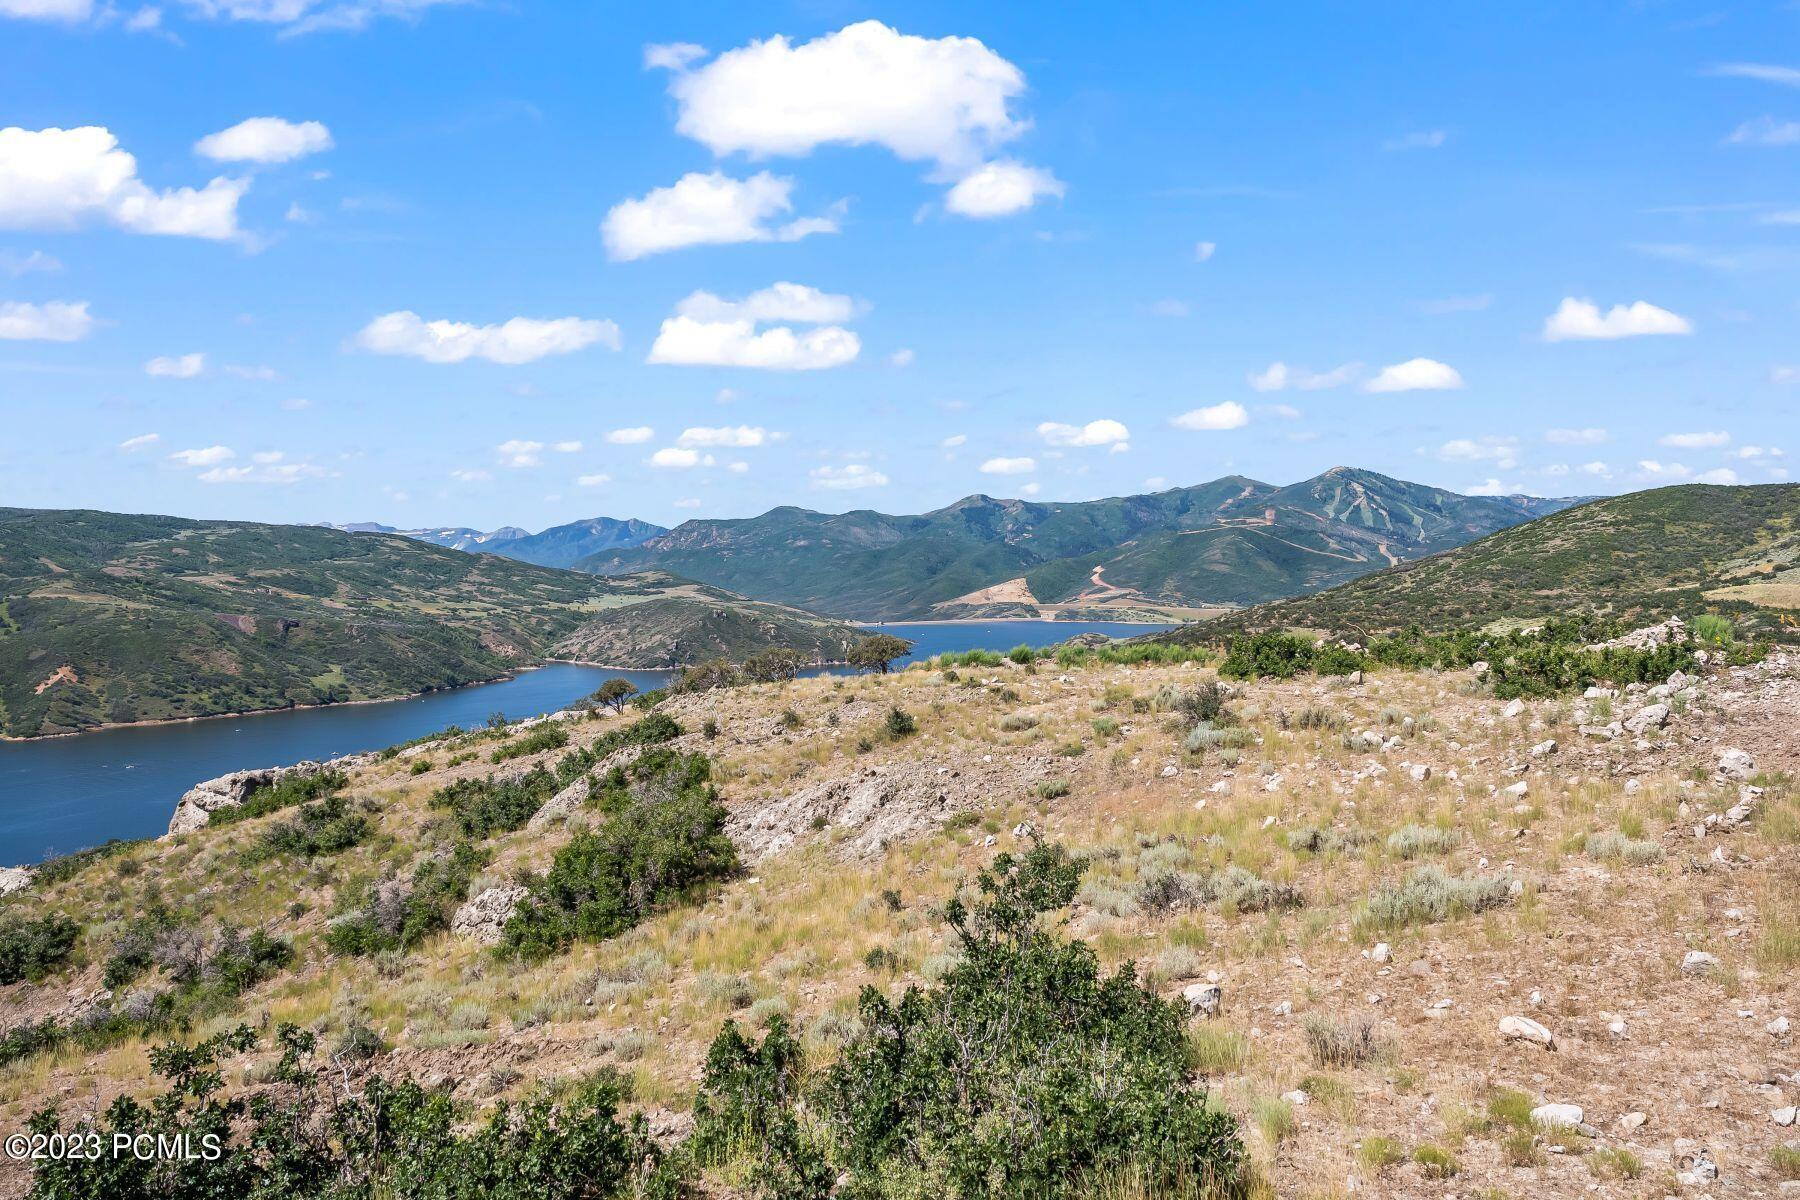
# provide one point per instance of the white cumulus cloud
(180, 366)
(1503, 452)
(1695, 441)
(1575, 437)
(1226, 415)
(1279, 376)
(142, 441)
(1009, 466)
(707, 330)
(1000, 189)
(265, 140)
(1095, 433)
(520, 340)
(707, 210)
(726, 435)
(67, 11)
(64, 178)
(680, 457)
(847, 478)
(53, 321)
(1765, 131)
(588, 481)
(636, 435)
(1416, 375)
(939, 100)
(520, 453)
(1581, 320)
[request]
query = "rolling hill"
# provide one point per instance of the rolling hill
(107, 618)
(1639, 558)
(1231, 542)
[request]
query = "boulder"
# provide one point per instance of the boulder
(1513, 708)
(1558, 1114)
(1203, 999)
(1543, 748)
(560, 806)
(14, 879)
(1785, 1116)
(1524, 1029)
(1651, 716)
(484, 917)
(1736, 764)
(1699, 962)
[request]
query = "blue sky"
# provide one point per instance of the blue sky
(903, 254)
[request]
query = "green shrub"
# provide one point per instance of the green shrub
(1416, 841)
(388, 918)
(664, 839)
(900, 724)
(549, 735)
(1022, 654)
(1436, 1162)
(1428, 894)
(285, 793)
(1712, 629)
(30, 948)
(325, 826)
(1285, 655)
(1023, 1073)
(309, 1137)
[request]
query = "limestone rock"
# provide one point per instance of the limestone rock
(1513, 708)
(14, 879)
(1558, 1114)
(486, 915)
(1524, 1029)
(1699, 962)
(1203, 999)
(560, 806)
(1651, 716)
(1736, 764)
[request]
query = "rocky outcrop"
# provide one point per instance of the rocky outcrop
(197, 805)
(485, 917)
(559, 807)
(14, 879)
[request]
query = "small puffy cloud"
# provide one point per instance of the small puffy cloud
(847, 478)
(1283, 412)
(265, 140)
(1489, 487)
(180, 366)
(590, 481)
(634, 436)
(954, 440)
(520, 453)
(686, 502)
(1156, 483)
(64, 11)
(1503, 452)
(1030, 489)
(1416, 375)
(205, 457)
(672, 56)
(1695, 441)
(260, 373)
(707, 210)
(64, 178)
(471, 475)
(1095, 433)
(266, 467)
(1278, 376)
(1227, 415)
(707, 330)
(520, 340)
(1424, 139)
(142, 441)
(1582, 320)
(680, 458)
(1203, 251)
(1000, 189)
(739, 467)
(1760, 454)
(1765, 131)
(1575, 437)
(570, 447)
(1597, 469)
(1009, 466)
(53, 321)
(726, 435)
(902, 358)
(1652, 470)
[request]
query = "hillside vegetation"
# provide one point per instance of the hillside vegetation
(109, 618)
(1092, 924)
(1232, 541)
(1637, 559)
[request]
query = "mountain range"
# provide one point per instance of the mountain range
(1637, 558)
(107, 618)
(1232, 542)
(558, 546)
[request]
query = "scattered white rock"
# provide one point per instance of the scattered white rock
(1558, 1114)
(1419, 772)
(1632, 1120)
(1170, 771)
(1524, 1029)
(14, 879)
(1785, 1116)
(1203, 999)
(1297, 1098)
(1513, 708)
(1382, 952)
(1521, 788)
(1777, 1028)
(1617, 1027)
(1699, 962)
(1736, 764)
(1651, 716)
(1547, 746)
(484, 917)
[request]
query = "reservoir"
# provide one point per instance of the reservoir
(58, 795)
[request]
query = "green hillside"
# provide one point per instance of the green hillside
(1636, 558)
(107, 618)
(1232, 541)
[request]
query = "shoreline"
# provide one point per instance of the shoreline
(264, 712)
(1007, 621)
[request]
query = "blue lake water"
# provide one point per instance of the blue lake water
(63, 794)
